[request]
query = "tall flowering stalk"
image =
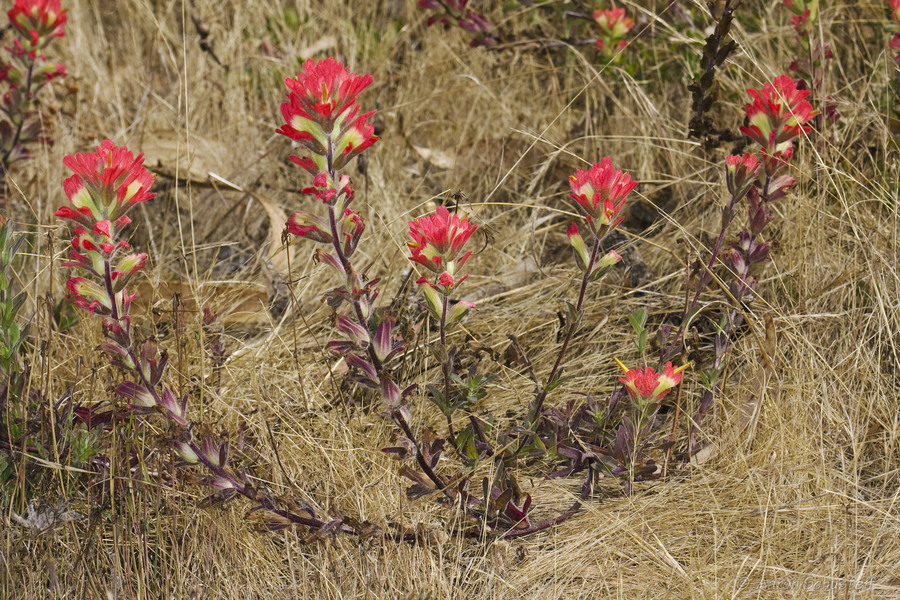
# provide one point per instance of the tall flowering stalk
(437, 244)
(778, 114)
(322, 115)
(36, 23)
(105, 185)
(600, 194)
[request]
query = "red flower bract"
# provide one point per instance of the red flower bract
(105, 184)
(600, 192)
(321, 110)
(613, 21)
(646, 383)
(438, 240)
(777, 114)
(740, 173)
(40, 19)
(324, 90)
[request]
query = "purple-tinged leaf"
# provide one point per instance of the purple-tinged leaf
(391, 393)
(137, 394)
(382, 342)
(328, 259)
(363, 365)
(176, 410)
(406, 449)
(351, 329)
(340, 347)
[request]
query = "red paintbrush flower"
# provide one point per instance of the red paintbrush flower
(321, 111)
(438, 239)
(105, 184)
(645, 383)
(613, 23)
(778, 114)
(40, 20)
(600, 193)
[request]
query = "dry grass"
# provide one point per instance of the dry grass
(802, 506)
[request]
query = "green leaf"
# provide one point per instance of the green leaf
(557, 381)
(642, 342)
(17, 303)
(292, 20)
(571, 315)
(638, 320)
(465, 443)
(438, 398)
(709, 377)
(723, 321)
(16, 246)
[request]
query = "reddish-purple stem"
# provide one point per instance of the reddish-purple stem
(539, 402)
(396, 415)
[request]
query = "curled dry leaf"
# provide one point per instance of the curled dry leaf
(172, 154)
(236, 302)
(437, 158)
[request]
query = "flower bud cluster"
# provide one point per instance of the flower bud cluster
(322, 116)
(437, 244)
(612, 26)
(38, 21)
(777, 115)
(600, 193)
